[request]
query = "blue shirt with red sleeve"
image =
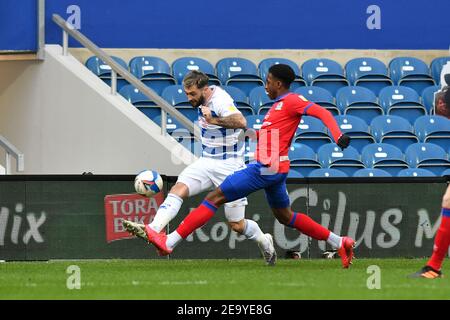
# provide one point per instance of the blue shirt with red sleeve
(280, 125)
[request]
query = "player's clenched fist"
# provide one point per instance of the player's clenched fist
(343, 141)
(206, 112)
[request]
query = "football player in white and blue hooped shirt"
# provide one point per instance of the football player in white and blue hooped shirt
(221, 124)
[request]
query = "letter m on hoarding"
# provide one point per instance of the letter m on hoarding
(425, 227)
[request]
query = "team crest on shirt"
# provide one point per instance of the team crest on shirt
(279, 106)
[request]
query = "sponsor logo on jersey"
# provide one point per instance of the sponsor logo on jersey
(279, 106)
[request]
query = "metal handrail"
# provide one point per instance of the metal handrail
(68, 29)
(11, 149)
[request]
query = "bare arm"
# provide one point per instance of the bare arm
(233, 121)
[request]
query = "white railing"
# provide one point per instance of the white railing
(11, 150)
(116, 68)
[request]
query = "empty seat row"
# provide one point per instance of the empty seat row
(353, 100)
(244, 74)
(366, 172)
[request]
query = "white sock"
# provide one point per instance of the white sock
(253, 232)
(334, 240)
(166, 212)
(173, 239)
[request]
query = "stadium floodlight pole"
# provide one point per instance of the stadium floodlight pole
(147, 91)
(11, 149)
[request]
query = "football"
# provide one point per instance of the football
(148, 183)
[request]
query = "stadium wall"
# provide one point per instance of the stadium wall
(256, 24)
(78, 217)
(65, 121)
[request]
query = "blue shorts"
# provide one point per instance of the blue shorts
(253, 178)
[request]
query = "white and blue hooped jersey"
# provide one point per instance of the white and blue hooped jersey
(218, 142)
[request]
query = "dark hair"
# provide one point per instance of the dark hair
(195, 78)
(284, 73)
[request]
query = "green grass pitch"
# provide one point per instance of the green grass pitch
(218, 279)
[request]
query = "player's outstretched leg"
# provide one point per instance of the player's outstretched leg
(432, 269)
(309, 227)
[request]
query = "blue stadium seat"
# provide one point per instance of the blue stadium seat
(384, 156)
(103, 71)
(446, 172)
(303, 159)
(238, 72)
(320, 96)
(436, 68)
(175, 95)
(255, 122)
(140, 101)
(433, 129)
(428, 156)
(401, 101)
(410, 72)
(327, 173)
(240, 99)
(265, 64)
(357, 129)
(294, 174)
(428, 98)
(367, 72)
(415, 172)
(182, 66)
(260, 101)
(371, 172)
(312, 132)
(332, 156)
(172, 126)
(325, 73)
(393, 130)
(153, 71)
(358, 101)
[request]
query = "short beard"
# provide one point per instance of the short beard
(200, 102)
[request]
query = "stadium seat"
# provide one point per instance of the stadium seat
(153, 71)
(294, 174)
(433, 129)
(401, 101)
(428, 98)
(410, 72)
(446, 172)
(332, 156)
(428, 156)
(358, 101)
(173, 126)
(357, 129)
(320, 96)
(327, 173)
(255, 122)
(415, 172)
(140, 101)
(371, 172)
(394, 130)
(312, 132)
(265, 64)
(238, 72)
(367, 72)
(325, 73)
(240, 99)
(384, 156)
(181, 66)
(436, 68)
(303, 159)
(103, 71)
(260, 101)
(175, 95)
